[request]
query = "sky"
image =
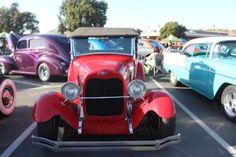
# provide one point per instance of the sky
(193, 14)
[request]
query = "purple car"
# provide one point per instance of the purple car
(45, 55)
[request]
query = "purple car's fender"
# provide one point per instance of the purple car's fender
(8, 61)
(54, 63)
(50, 105)
(155, 101)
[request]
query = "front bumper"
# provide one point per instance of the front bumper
(137, 145)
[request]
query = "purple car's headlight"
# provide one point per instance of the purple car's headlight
(70, 90)
(137, 89)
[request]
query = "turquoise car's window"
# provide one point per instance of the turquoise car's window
(202, 49)
(188, 50)
(102, 45)
(198, 49)
(226, 49)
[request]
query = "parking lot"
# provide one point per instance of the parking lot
(203, 127)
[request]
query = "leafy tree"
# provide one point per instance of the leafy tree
(172, 28)
(81, 13)
(19, 22)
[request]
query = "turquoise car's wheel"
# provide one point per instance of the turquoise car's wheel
(173, 79)
(228, 99)
(44, 72)
(7, 97)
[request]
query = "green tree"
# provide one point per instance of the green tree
(172, 28)
(81, 13)
(19, 22)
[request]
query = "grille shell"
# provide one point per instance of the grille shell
(104, 88)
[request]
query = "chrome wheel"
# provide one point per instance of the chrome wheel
(2, 68)
(228, 99)
(43, 72)
(7, 97)
(230, 104)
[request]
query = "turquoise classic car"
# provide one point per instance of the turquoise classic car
(207, 65)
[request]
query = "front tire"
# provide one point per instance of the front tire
(154, 127)
(228, 100)
(44, 72)
(7, 97)
(48, 129)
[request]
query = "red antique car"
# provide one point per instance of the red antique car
(105, 102)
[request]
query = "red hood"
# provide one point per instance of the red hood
(85, 65)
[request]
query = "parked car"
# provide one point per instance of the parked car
(147, 46)
(206, 65)
(105, 102)
(7, 96)
(45, 55)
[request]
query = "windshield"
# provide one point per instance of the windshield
(103, 45)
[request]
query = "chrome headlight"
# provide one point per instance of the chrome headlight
(137, 89)
(70, 90)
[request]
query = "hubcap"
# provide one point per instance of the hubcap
(230, 104)
(44, 72)
(2, 68)
(7, 98)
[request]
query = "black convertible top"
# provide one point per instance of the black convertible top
(102, 31)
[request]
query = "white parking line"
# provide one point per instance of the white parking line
(28, 83)
(224, 144)
(27, 132)
(18, 141)
(215, 136)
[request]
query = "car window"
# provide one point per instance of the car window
(22, 44)
(37, 44)
(226, 49)
(103, 45)
(202, 49)
(198, 49)
(189, 50)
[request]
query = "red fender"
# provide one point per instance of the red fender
(159, 102)
(140, 71)
(50, 105)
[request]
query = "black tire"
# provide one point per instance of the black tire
(7, 97)
(173, 79)
(44, 73)
(48, 129)
(228, 100)
(153, 127)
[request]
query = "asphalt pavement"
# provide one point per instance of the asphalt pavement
(204, 129)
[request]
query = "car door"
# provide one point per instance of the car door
(20, 55)
(37, 47)
(26, 56)
(183, 64)
(199, 68)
